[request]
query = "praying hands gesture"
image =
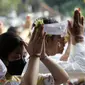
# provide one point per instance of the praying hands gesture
(34, 48)
(77, 29)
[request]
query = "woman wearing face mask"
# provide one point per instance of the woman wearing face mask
(12, 53)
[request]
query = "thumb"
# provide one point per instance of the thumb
(69, 25)
(43, 47)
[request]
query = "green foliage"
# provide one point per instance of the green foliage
(66, 7)
(7, 5)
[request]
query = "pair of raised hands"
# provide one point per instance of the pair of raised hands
(77, 27)
(36, 46)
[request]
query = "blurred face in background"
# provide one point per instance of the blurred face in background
(28, 23)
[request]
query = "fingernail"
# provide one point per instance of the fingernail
(28, 17)
(79, 9)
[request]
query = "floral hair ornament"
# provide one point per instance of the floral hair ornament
(37, 23)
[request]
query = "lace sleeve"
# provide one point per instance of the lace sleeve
(7, 83)
(45, 79)
(12, 83)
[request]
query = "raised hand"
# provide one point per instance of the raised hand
(77, 29)
(43, 52)
(35, 44)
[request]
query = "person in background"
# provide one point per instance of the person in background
(2, 27)
(54, 44)
(75, 64)
(28, 23)
(75, 61)
(57, 75)
(26, 33)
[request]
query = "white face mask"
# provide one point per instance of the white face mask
(3, 69)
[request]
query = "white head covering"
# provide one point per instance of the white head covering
(3, 69)
(56, 28)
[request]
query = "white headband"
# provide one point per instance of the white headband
(56, 28)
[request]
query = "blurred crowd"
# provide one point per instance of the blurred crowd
(30, 56)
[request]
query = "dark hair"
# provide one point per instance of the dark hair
(12, 29)
(46, 20)
(8, 43)
(49, 20)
